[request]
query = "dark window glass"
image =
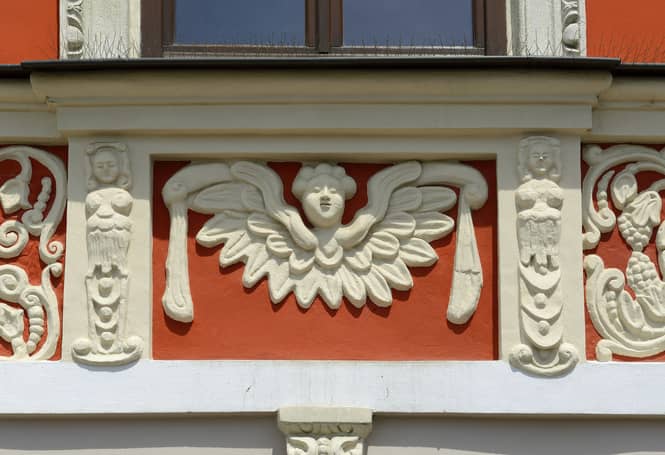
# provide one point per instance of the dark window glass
(264, 22)
(408, 23)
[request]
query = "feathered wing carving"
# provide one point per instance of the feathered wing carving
(363, 260)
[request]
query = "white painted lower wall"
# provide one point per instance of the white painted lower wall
(390, 436)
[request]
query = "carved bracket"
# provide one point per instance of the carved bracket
(38, 304)
(363, 259)
(325, 431)
(109, 230)
(539, 200)
(630, 326)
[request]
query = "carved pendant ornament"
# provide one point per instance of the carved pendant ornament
(20, 301)
(363, 259)
(539, 200)
(109, 228)
(571, 27)
(631, 321)
(74, 36)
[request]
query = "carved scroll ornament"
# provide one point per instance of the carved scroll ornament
(364, 259)
(36, 303)
(108, 234)
(630, 325)
(539, 200)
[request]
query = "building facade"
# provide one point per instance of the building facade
(307, 245)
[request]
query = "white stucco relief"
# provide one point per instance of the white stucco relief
(37, 303)
(108, 234)
(99, 29)
(363, 259)
(572, 27)
(547, 27)
(539, 200)
(73, 39)
(630, 324)
(325, 431)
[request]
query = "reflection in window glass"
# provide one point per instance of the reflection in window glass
(266, 22)
(408, 23)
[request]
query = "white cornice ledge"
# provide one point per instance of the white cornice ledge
(17, 94)
(437, 388)
(641, 91)
(25, 118)
(339, 87)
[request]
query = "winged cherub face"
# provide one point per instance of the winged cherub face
(323, 201)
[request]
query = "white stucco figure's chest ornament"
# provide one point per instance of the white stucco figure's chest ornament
(361, 260)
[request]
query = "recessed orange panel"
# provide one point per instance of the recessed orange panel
(231, 322)
(615, 254)
(28, 30)
(29, 258)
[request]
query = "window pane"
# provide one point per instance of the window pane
(271, 22)
(408, 23)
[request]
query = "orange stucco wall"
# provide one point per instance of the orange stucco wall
(231, 322)
(632, 30)
(29, 258)
(28, 30)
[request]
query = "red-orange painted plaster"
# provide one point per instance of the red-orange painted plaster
(232, 322)
(632, 31)
(28, 30)
(29, 258)
(615, 253)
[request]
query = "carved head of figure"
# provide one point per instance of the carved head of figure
(108, 165)
(539, 158)
(322, 190)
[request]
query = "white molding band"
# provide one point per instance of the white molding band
(245, 387)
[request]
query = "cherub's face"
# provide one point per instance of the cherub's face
(105, 167)
(323, 201)
(540, 159)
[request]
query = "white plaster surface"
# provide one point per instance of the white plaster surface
(391, 436)
(241, 387)
(536, 27)
(107, 28)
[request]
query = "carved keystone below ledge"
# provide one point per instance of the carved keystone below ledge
(324, 431)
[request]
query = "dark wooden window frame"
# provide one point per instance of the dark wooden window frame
(323, 34)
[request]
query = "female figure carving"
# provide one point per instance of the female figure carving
(108, 235)
(538, 201)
